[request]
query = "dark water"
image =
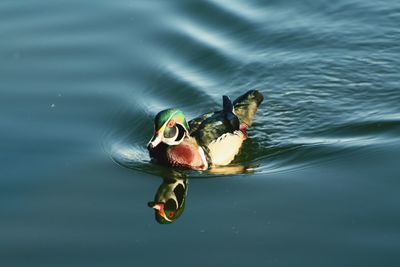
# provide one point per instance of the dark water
(80, 82)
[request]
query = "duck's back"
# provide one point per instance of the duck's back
(221, 133)
(245, 107)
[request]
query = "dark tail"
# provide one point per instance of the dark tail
(228, 111)
(227, 104)
(246, 106)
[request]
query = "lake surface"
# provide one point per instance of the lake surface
(80, 83)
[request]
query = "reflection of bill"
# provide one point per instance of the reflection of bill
(169, 201)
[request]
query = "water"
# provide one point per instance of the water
(80, 82)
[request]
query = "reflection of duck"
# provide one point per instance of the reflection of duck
(170, 199)
(213, 139)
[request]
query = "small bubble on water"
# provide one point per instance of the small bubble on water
(53, 105)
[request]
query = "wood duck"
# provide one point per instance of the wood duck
(213, 139)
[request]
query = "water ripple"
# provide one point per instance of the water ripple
(309, 63)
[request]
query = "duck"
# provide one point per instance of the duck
(210, 140)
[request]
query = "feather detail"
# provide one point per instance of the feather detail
(187, 155)
(224, 149)
(246, 106)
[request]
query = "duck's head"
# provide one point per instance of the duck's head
(170, 127)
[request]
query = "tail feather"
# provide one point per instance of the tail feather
(228, 113)
(246, 106)
(227, 104)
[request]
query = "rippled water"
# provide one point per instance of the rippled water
(80, 83)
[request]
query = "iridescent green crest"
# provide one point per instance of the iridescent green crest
(174, 115)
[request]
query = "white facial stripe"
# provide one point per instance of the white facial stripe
(176, 135)
(170, 117)
(171, 141)
(157, 207)
(165, 217)
(156, 141)
(161, 212)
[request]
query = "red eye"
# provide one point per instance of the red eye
(171, 214)
(171, 123)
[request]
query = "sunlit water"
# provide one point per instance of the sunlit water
(316, 184)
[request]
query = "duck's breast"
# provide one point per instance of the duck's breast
(187, 155)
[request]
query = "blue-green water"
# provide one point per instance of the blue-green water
(80, 82)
